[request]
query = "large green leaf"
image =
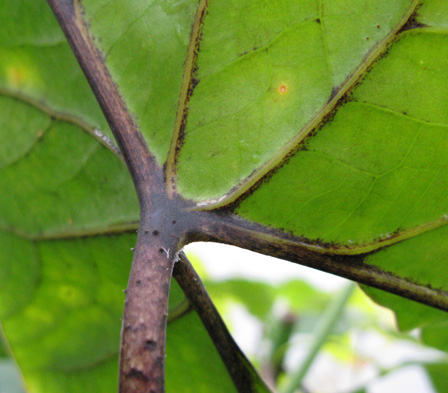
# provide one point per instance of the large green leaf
(311, 130)
(342, 105)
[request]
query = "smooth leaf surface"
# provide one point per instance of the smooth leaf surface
(383, 148)
(256, 93)
(66, 333)
(36, 64)
(92, 177)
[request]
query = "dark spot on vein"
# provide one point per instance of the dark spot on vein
(411, 25)
(334, 91)
(132, 328)
(412, 22)
(318, 20)
(378, 26)
(194, 83)
(150, 344)
(137, 374)
(190, 93)
(181, 134)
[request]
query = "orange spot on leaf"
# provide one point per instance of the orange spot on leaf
(17, 76)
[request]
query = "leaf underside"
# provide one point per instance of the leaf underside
(313, 123)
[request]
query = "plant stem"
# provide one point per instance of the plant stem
(235, 361)
(323, 329)
(142, 359)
